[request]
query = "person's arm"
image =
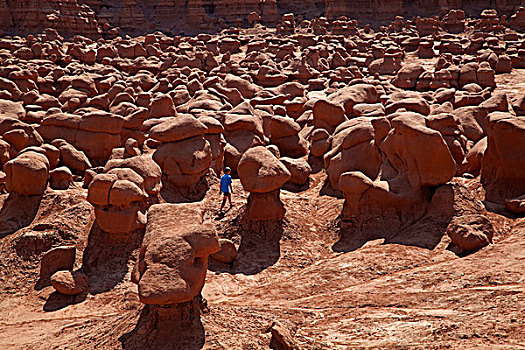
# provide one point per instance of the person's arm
(231, 187)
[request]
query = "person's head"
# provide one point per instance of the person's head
(227, 170)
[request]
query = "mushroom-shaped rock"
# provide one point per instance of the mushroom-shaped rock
(415, 159)
(143, 165)
(185, 162)
(262, 174)
(503, 165)
(117, 203)
(27, 174)
(260, 171)
(185, 156)
(173, 259)
(119, 195)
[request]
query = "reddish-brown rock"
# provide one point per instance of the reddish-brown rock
(27, 174)
(56, 259)
(503, 165)
(470, 232)
(228, 253)
(262, 174)
(173, 259)
(70, 282)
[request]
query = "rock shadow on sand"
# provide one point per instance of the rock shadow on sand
(17, 212)
(259, 246)
(106, 257)
(172, 193)
(57, 301)
(174, 327)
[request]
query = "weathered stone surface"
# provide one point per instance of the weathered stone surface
(60, 178)
(174, 255)
(121, 193)
(503, 165)
(70, 282)
(471, 232)
(260, 171)
(415, 158)
(56, 259)
(227, 253)
(92, 19)
(27, 174)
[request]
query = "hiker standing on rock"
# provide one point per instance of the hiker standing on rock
(226, 187)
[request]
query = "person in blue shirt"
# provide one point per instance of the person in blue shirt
(226, 187)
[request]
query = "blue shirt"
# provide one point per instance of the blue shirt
(226, 180)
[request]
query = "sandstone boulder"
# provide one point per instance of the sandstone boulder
(173, 259)
(299, 169)
(27, 174)
(56, 259)
(184, 163)
(121, 194)
(227, 254)
(260, 171)
(177, 128)
(96, 134)
(60, 178)
(70, 282)
(471, 232)
(414, 159)
(353, 148)
(503, 165)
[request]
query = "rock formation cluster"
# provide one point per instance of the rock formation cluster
(144, 126)
(95, 18)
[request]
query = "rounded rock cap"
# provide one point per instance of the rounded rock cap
(260, 171)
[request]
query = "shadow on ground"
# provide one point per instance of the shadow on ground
(57, 301)
(106, 257)
(175, 327)
(17, 212)
(259, 246)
